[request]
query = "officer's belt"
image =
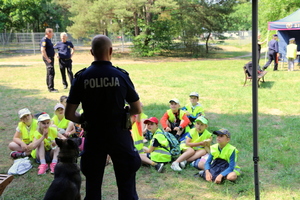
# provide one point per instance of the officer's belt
(65, 59)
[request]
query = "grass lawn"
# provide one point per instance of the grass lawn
(227, 104)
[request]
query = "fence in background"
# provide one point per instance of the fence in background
(30, 42)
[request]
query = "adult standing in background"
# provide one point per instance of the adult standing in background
(272, 54)
(259, 43)
(103, 88)
(65, 53)
(48, 58)
(291, 53)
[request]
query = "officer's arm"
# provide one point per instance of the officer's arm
(44, 54)
(135, 107)
(72, 51)
(71, 113)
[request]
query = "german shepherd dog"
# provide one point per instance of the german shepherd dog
(67, 179)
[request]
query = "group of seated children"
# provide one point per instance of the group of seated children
(189, 126)
(36, 137)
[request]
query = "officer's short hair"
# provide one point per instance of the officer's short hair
(48, 30)
(63, 33)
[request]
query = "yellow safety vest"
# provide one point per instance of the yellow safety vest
(195, 138)
(225, 154)
(195, 110)
(291, 51)
(27, 136)
(172, 116)
(60, 124)
(160, 154)
(52, 134)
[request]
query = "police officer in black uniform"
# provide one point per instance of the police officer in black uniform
(102, 89)
(48, 57)
(273, 53)
(65, 53)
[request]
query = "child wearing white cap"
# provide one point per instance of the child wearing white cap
(47, 150)
(194, 109)
(64, 126)
(175, 120)
(24, 134)
(194, 145)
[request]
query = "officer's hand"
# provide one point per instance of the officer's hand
(49, 60)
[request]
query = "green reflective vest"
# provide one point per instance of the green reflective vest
(195, 138)
(172, 116)
(225, 154)
(52, 134)
(27, 136)
(160, 154)
(60, 124)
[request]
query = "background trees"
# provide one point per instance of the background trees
(153, 24)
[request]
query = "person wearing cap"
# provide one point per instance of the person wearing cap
(193, 147)
(224, 156)
(158, 150)
(102, 90)
(272, 53)
(194, 109)
(64, 126)
(175, 120)
(291, 53)
(45, 149)
(23, 135)
(137, 131)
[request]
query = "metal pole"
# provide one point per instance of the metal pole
(255, 96)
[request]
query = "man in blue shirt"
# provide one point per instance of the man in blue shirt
(48, 58)
(65, 53)
(102, 89)
(272, 54)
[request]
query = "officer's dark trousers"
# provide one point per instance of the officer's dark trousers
(126, 161)
(63, 65)
(50, 73)
(272, 57)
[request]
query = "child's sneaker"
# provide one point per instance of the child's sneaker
(183, 164)
(159, 167)
(17, 154)
(52, 167)
(175, 166)
(42, 169)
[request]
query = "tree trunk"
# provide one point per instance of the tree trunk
(206, 42)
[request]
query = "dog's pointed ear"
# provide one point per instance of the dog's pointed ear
(58, 142)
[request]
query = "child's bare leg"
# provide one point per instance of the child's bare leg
(231, 176)
(186, 155)
(146, 160)
(198, 154)
(40, 152)
(14, 147)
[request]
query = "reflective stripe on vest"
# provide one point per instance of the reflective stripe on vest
(162, 152)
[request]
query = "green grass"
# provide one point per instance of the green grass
(227, 104)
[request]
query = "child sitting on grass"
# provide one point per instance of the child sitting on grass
(175, 120)
(194, 146)
(221, 162)
(158, 151)
(47, 150)
(24, 135)
(64, 126)
(193, 109)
